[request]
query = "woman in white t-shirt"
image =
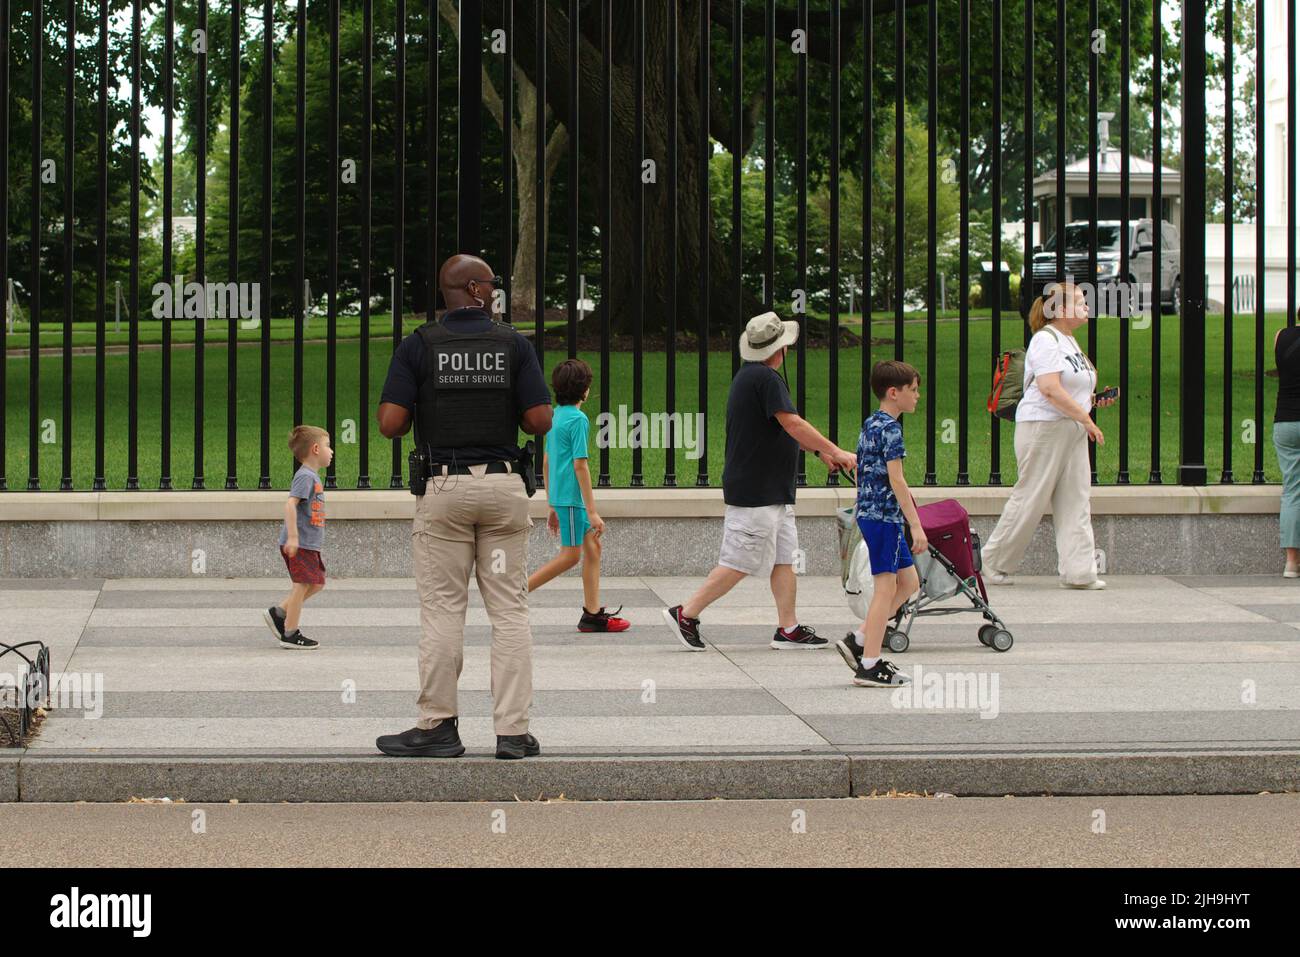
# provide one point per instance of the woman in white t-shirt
(1052, 432)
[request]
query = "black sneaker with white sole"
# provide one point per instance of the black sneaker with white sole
(850, 651)
(686, 630)
(298, 641)
(802, 637)
(274, 620)
(883, 674)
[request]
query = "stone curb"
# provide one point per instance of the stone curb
(328, 778)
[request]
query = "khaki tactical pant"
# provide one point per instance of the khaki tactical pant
(473, 522)
(1052, 467)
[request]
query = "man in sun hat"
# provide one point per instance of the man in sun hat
(764, 436)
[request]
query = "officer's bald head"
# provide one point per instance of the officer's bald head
(454, 280)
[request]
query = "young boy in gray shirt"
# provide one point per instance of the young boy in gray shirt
(302, 535)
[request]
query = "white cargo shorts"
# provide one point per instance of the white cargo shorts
(756, 539)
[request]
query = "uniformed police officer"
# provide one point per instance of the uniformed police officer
(470, 383)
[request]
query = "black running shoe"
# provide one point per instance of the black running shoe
(850, 651)
(883, 674)
(442, 741)
(274, 620)
(803, 637)
(686, 630)
(603, 620)
(511, 747)
(298, 641)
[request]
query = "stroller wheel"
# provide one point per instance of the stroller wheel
(1000, 640)
(985, 632)
(896, 640)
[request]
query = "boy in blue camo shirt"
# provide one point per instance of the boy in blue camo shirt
(884, 505)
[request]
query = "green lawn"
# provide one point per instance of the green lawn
(943, 390)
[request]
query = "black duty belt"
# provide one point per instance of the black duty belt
(493, 468)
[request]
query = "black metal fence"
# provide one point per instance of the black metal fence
(668, 90)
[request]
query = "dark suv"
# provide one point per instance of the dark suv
(1140, 259)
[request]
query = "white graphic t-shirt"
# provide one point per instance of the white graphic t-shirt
(1051, 350)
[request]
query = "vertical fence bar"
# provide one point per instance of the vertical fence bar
(900, 7)
(470, 139)
(300, 196)
(431, 129)
(101, 252)
(232, 267)
(868, 196)
(1027, 296)
(34, 343)
(963, 328)
(575, 46)
(69, 152)
(1061, 218)
(1225, 474)
(268, 56)
(4, 233)
(133, 270)
(995, 424)
(469, 37)
(332, 255)
(638, 240)
(1192, 291)
(607, 220)
(1126, 300)
(737, 80)
(169, 57)
(1257, 477)
(702, 317)
(1290, 162)
(1093, 81)
(1157, 220)
(670, 336)
(539, 310)
(200, 240)
(931, 232)
(832, 478)
(801, 477)
(769, 155)
(399, 192)
(507, 161)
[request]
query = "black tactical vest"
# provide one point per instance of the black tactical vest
(468, 396)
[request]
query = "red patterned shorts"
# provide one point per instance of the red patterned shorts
(305, 567)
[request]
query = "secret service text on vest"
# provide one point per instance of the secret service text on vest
(471, 368)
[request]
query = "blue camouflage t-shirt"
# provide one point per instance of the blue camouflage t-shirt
(881, 442)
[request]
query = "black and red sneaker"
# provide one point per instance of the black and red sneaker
(686, 630)
(603, 620)
(801, 636)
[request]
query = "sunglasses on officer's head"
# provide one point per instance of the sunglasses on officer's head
(496, 282)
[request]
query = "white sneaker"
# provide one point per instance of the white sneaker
(1096, 585)
(1291, 571)
(999, 578)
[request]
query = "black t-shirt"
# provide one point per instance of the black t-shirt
(409, 367)
(1288, 375)
(761, 456)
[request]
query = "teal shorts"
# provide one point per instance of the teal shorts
(573, 523)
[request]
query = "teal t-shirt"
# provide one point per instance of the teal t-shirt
(566, 442)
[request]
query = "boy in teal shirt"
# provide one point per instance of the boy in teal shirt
(573, 506)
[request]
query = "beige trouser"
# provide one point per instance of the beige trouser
(480, 522)
(1052, 464)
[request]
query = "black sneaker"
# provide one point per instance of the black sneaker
(603, 620)
(850, 651)
(514, 746)
(298, 641)
(442, 741)
(803, 637)
(274, 620)
(686, 630)
(883, 674)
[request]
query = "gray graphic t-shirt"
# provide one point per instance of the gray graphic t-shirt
(310, 493)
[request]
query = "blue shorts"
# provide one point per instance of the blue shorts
(573, 523)
(886, 545)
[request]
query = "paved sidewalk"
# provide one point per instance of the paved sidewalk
(1157, 685)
